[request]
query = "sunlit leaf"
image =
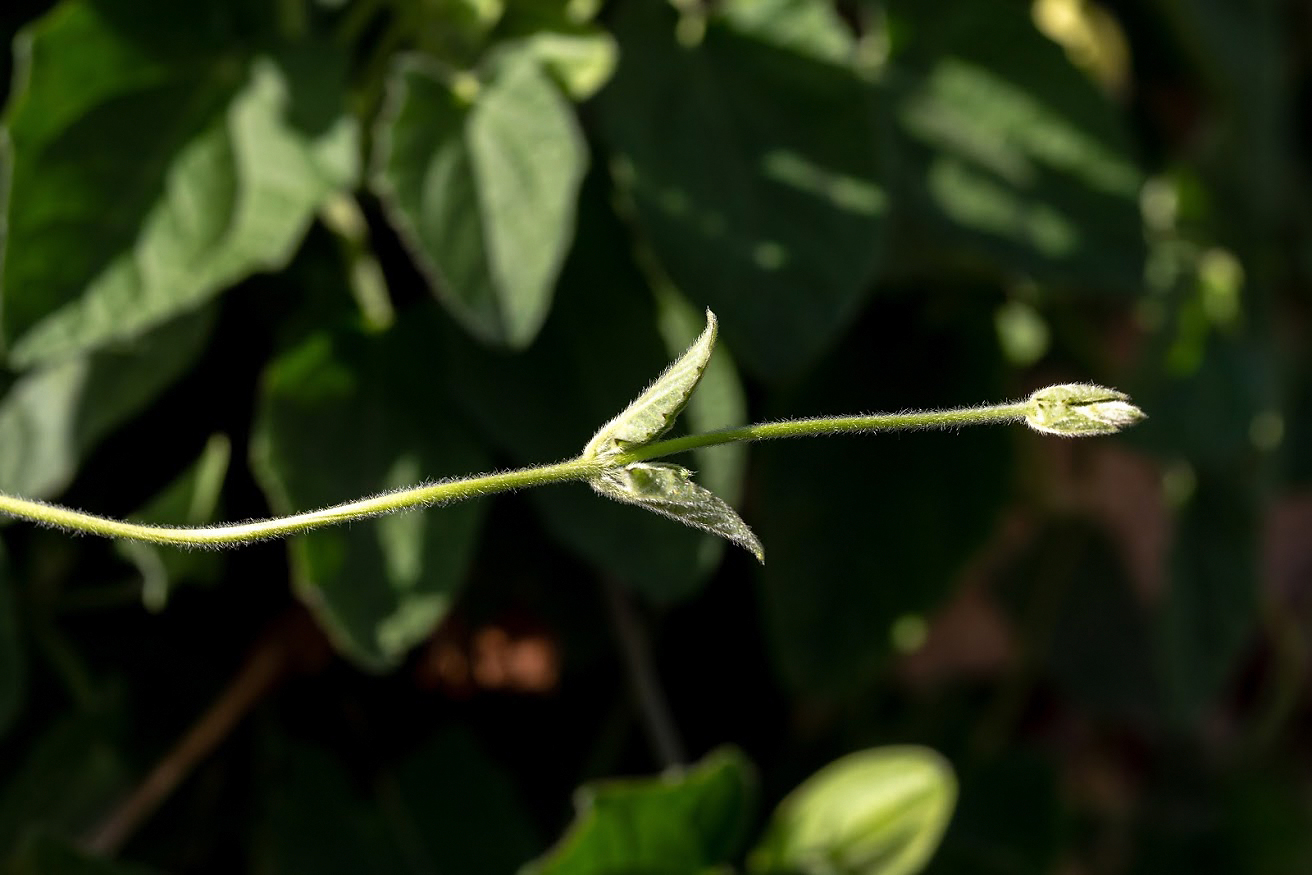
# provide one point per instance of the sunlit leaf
(653, 412)
(669, 490)
(687, 820)
(160, 169)
(481, 180)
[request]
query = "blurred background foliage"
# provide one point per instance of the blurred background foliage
(264, 256)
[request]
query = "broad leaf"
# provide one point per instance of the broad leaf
(754, 174)
(669, 490)
(345, 415)
(877, 812)
(158, 170)
(1012, 154)
(482, 188)
(654, 411)
(52, 416)
(684, 821)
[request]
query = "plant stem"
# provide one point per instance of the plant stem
(449, 491)
(867, 424)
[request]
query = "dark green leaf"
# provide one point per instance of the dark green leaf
(1014, 154)
(52, 416)
(66, 782)
(157, 169)
(753, 172)
(482, 187)
(878, 812)
(345, 416)
(1212, 608)
(869, 529)
(684, 821)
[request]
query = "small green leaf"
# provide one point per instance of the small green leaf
(669, 490)
(655, 410)
(877, 812)
(687, 820)
(580, 62)
(482, 186)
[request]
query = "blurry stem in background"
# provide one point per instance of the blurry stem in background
(1281, 692)
(636, 651)
(1071, 410)
(291, 644)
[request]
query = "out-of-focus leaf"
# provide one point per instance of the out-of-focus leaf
(802, 26)
(13, 660)
(581, 61)
(877, 812)
(1212, 605)
(348, 415)
(65, 782)
(52, 416)
(652, 413)
(169, 162)
(669, 490)
(684, 821)
(482, 187)
(869, 529)
(190, 500)
(42, 854)
(754, 174)
(600, 346)
(1014, 154)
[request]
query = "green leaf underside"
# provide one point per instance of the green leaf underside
(669, 490)
(877, 812)
(483, 193)
(655, 410)
(338, 419)
(143, 184)
(687, 820)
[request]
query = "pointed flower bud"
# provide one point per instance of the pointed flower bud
(1080, 409)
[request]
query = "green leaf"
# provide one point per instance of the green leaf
(1012, 154)
(580, 61)
(52, 416)
(65, 781)
(482, 185)
(669, 490)
(13, 660)
(160, 168)
(754, 174)
(341, 416)
(1212, 609)
(684, 821)
(190, 500)
(652, 413)
(877, 812)
(879, 526)
(43, 854)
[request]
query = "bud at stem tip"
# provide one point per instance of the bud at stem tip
(1080, 409)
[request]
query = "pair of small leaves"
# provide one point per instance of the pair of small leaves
(662, 487)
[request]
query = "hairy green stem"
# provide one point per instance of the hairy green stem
(449, 491)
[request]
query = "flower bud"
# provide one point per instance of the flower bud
(1079, 409)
